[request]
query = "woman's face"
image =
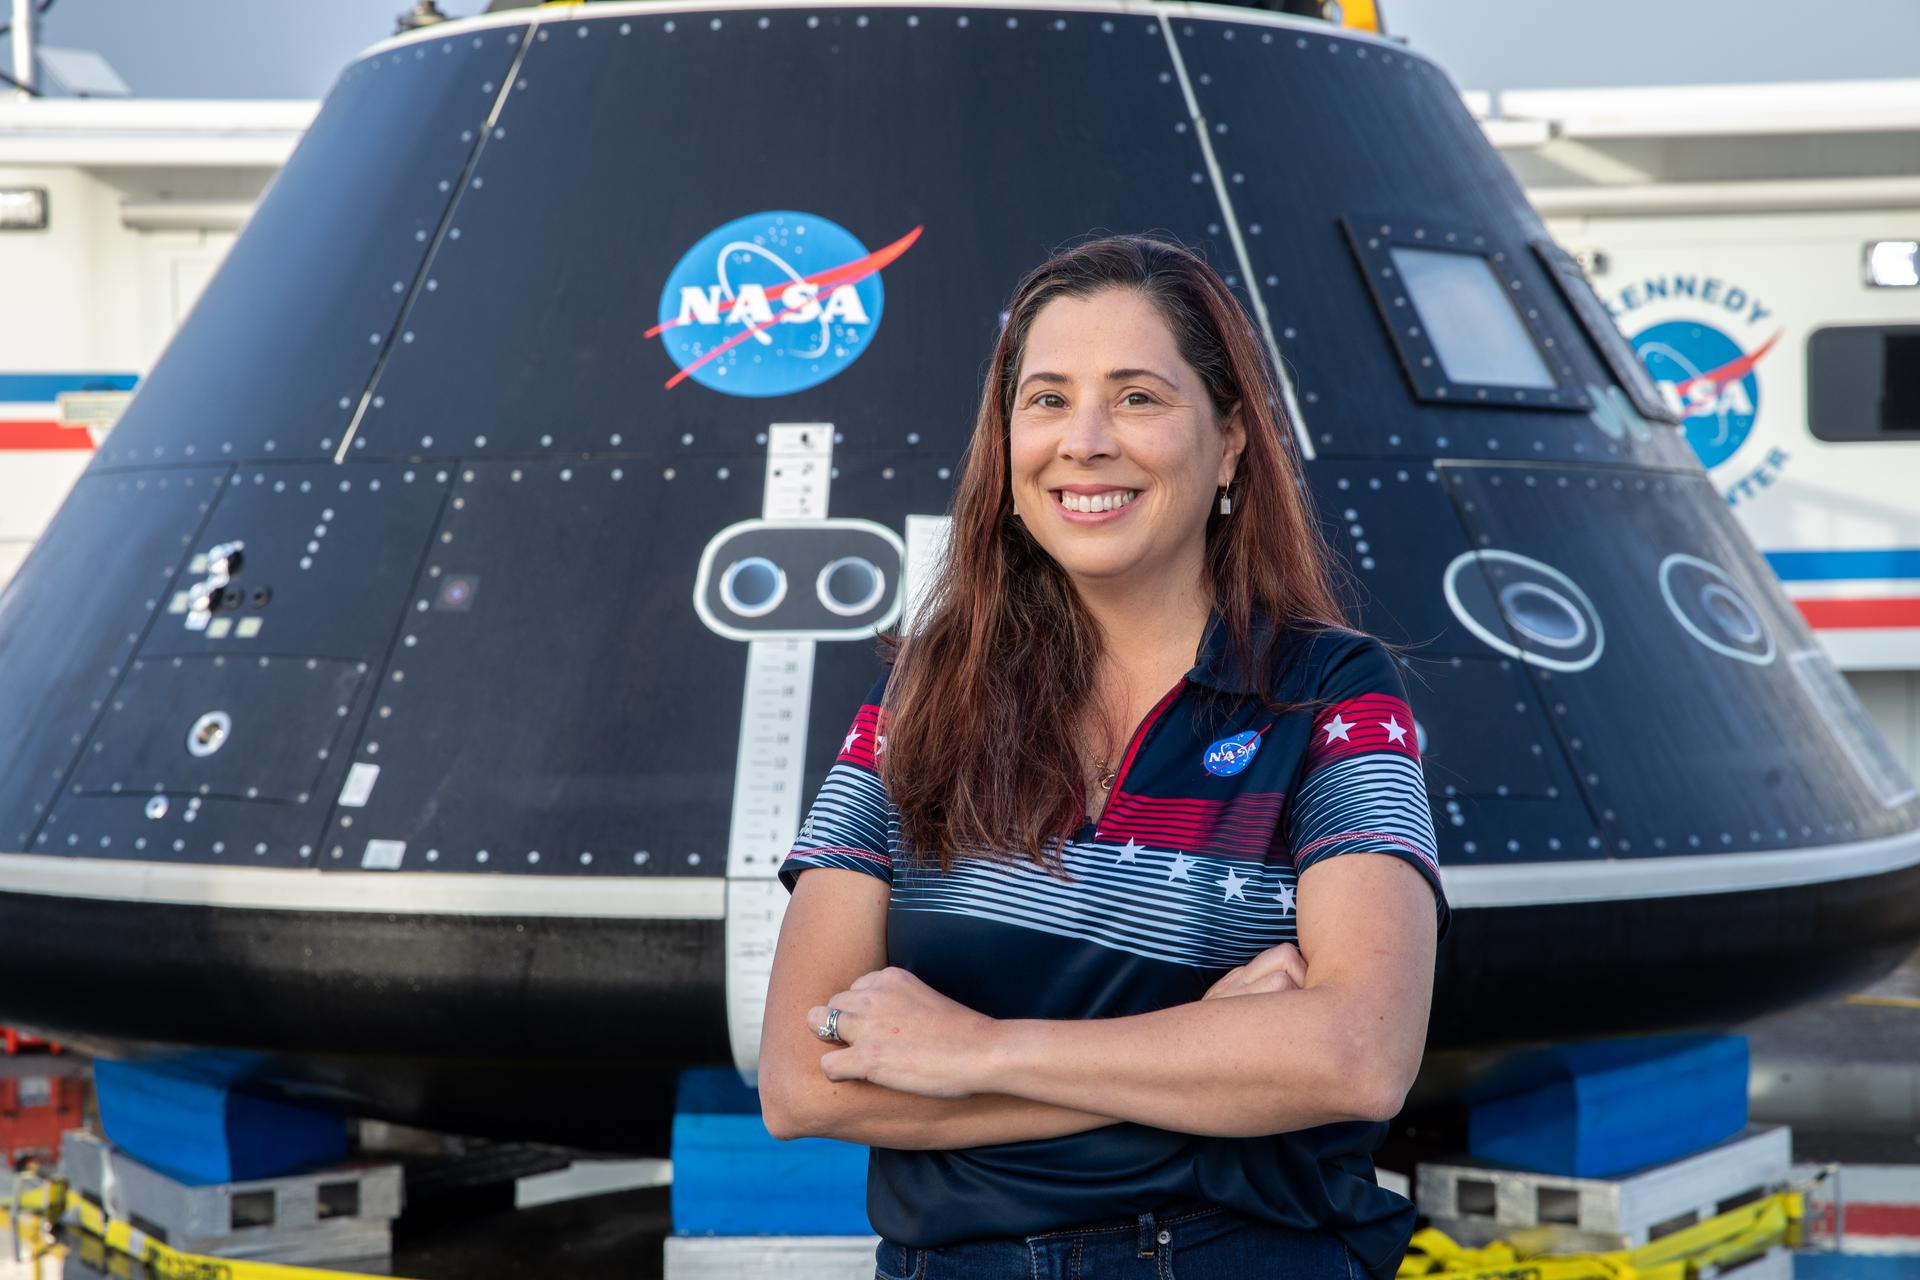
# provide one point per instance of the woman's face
(1117, 452)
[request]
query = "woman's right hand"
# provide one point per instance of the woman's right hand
(1280, 968)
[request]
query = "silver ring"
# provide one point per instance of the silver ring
(832, 1030)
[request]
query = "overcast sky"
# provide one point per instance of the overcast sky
(294, 48)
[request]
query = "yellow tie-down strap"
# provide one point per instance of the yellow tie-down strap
(1722, 1241)
(99, 1240)
(1719, 1242)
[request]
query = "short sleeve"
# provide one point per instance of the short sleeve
(850, 822)
(1361, 787)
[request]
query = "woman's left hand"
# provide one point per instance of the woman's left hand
(902, 1034)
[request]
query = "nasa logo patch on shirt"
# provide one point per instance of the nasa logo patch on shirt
(1230, 755)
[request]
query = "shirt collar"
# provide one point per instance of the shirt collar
(1215, 664)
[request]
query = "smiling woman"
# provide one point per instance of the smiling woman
(1146, 995)
(1135, 452)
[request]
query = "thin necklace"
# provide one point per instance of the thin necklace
(1104, 774)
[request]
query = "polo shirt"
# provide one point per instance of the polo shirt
(1217, 809)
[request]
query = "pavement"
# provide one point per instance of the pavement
(1845, 1072)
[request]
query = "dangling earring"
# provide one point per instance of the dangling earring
(1226, 503)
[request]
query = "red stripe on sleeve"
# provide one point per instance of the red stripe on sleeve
(1370, 722)
(865, 739)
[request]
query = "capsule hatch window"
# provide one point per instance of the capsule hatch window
(1468, 326)
(1863, 382)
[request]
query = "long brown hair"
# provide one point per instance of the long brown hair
(1001, 652)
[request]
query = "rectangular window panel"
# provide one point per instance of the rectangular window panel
(1478, 336)
(1470, 319)
(1863, 382)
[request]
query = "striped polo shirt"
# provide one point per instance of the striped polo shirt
(1217, 809)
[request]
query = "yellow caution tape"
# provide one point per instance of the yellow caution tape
(1721, 1241)
(106, 1244)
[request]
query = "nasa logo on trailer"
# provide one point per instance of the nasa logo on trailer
(1709, 379)
(1702, 338)
(772, 303)
(1229, 756)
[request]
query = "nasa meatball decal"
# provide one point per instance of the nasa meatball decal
(772, 303)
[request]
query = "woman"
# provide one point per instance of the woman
(1044, 966)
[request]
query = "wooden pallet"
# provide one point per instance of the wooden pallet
(1477, 1203)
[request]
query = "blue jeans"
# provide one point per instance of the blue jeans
(1208, 1243)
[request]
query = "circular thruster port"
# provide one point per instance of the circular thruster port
(209, 733)
(851, 585)
(753, 587)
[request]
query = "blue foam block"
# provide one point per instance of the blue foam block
(1604, 1109)
(733, 1178)
(1817, 1264)
(190, 1124)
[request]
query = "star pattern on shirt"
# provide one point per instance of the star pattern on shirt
(853, 736)
(1285, 898)
(1177, 869)
(879, 743)
(1130, 851)
(1395, 730)
(1338, 727)
(1235, 886)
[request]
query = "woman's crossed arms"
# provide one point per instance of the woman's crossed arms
(1332, 1031)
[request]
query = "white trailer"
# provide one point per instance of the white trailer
(113, 215)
